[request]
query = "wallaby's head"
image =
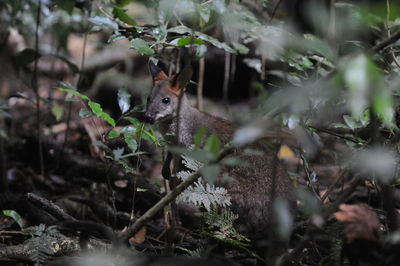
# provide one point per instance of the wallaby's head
(163, 100)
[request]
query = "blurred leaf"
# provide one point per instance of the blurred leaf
(205, 13)
(358, 82)
(13, 214)
(213, 145)
(26, 56)
(210, 172)
(104, 21)
(131, 142)
(71, 65)
(285, 152)
(253, 63)
(117, 153)
(3, 134)
(57, 111)
(382, 103)
(308, 202)
(99, 143)
(115, 37)
(283, 217)
(113, 134)
(350, 122)
(121, 15)
(165, 10)
(198, 137)
(67, 5)
(183, 30)
(200, 51)
(247, 134)
(215, 42)
(242, 49)
(73, 92)
(320, 46)
(180, 29)
(85, 113)
(189, 41)
(122, 3)
(141, 46)
(234, 161)
(98, 111)
(132, 120)
(124, 99)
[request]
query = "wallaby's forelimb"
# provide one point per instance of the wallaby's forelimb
(166, 169)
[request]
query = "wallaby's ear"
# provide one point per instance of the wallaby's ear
(180, 80)
(156, 72)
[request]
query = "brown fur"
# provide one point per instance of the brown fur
(252, 187)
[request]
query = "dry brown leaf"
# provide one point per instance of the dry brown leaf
(139, 237)
(360, 222)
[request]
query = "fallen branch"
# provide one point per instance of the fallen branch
(124, 236)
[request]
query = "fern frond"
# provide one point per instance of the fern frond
(206, 195)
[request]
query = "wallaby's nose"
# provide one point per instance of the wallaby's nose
(149, 118)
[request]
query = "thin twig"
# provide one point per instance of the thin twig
(200, 84)
(308, 174)
(36, 89)
(225, 87)
(332, 186)
(392, 39)
(274, 11)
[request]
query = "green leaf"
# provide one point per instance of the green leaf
(113, 134)
(85, 113)
(98, 111)
(141, 46)
(132, 120)
(122, 3)
(121, 15)
(215, 42)
(26, 56)
(57, 111)
(131, 142)
(240, 48)
(205, 13)
(198, 137)
(72, 91)
(188, 41)
(210, 172)
(213, 145)
(382, 103)
(104, 21)
(124, 99)
(67, 5)
(13, 214)
(320, 46)
(183, 30)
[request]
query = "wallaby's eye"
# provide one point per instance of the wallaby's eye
(166, 100)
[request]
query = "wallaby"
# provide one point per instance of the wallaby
(252, 187)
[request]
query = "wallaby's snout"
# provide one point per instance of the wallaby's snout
(149, 118)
